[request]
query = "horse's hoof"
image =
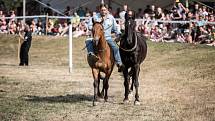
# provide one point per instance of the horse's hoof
(95, 103)
(100, 96)
(100, 99)
(130, 96)
(136, 102)
(125, 101)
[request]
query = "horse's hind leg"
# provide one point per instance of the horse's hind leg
(130, 73)
(136, 83)
(101, 93)
(106, 86)
(129, 78)
(130, 94)
(126, 85)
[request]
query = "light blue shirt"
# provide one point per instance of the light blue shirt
(201, 23)
(109, 25)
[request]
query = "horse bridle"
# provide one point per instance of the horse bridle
(104, 49)
(104, 35)
(103, 31)
(132, 49)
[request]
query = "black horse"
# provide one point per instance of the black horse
(133, 50)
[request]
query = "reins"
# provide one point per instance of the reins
(132, 49)
(106, 45)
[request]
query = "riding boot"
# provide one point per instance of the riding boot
(93, 57)
(89, 45)
(121, 67)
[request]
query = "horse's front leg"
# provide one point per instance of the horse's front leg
(98, 91)
(126, 85)
(106, 86)
(130, 73)
(101, 93)
(136, 83)
(130, 94)
(95, 85)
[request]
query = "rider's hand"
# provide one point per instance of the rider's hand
(118, 37)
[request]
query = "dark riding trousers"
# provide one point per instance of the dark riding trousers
(25, 48)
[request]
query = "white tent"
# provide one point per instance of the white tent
(91, 4)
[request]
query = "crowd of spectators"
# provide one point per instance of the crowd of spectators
(192, 28)
(197, 30)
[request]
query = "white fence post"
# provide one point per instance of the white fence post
(70, 48)
(24, 8)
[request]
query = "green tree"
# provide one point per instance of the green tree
(11, 4)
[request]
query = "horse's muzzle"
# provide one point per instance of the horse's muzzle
(96, 40)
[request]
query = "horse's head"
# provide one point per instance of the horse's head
(97, 31)
(130, 25)
(130, 22)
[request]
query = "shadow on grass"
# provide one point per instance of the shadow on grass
(9, 64)
(75, 98)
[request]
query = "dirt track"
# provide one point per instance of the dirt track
(46, 91)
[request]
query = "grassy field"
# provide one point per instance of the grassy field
(177, 83)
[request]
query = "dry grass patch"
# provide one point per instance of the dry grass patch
(176, 84)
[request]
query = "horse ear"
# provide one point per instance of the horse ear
(126, 16)
(93, 21)
(134, 15)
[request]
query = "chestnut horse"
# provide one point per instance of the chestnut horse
(105, 63)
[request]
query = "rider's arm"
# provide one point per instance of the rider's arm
(90, 24)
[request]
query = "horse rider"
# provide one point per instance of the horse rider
(109, 25)
(25, 45)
